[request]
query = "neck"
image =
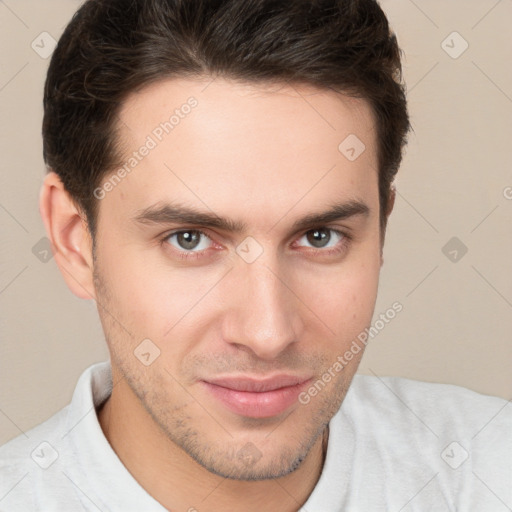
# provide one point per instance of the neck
(171, 476)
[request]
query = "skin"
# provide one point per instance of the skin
(265, 157)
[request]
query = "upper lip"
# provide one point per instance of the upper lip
(258, 385)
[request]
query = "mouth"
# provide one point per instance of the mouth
(257, 398)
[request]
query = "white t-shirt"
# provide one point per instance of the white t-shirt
(394, 445)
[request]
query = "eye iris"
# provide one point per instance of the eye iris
(319, 237)
(188, 239)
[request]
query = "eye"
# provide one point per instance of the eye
(322, 238)
(192, 240)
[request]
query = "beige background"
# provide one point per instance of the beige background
(456, 320)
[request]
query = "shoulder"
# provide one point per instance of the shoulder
(456, 441)
(34, 466)
(20, 446)
(417, 409)
(26, 460)
(404, 396)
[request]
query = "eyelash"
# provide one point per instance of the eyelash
(188, 255)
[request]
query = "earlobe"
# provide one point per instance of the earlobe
(390, 206)
(67, 230)
(391, 201)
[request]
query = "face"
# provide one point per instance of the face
(237, 259)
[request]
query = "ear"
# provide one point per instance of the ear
(391, 204)
(391, 201)
(69, 235)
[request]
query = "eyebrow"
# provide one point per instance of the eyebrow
(167, 213)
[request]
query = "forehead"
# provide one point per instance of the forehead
(226, 145)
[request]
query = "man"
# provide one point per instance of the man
(220, 180)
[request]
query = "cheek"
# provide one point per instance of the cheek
(344, 297)
(136, 289)
(153, 299)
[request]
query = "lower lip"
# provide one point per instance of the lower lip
(257, 405)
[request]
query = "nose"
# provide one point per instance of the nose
(263, 313)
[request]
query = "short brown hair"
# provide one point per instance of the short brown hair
(113, 47)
